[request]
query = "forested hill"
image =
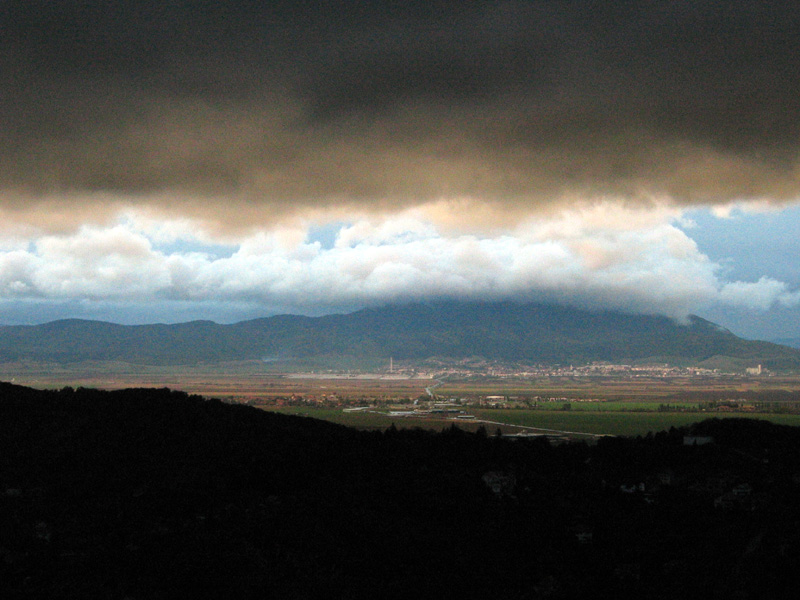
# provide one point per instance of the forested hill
(497, 331)
(792, 342)
(157, 494)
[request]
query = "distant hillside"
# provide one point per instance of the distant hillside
(498, 331)
(791, 342)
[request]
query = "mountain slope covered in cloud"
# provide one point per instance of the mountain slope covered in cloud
(231, 159)
(504, 331)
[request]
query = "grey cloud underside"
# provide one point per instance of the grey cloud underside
(507, 101)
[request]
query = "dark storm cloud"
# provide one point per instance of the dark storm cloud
(381, 102)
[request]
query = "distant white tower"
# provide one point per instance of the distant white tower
(391, 365)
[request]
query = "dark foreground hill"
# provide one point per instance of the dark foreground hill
(156, 494)
(496, 331)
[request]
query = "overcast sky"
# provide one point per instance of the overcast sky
(232, 159)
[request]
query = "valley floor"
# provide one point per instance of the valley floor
(580, 407)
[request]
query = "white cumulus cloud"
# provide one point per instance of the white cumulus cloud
(762, 294)
(602, 256)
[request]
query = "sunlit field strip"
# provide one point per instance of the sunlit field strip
(610, 423)
(614, 406)
(616, 423)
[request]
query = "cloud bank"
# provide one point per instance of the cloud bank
(325, 155)
(241, 112)
(600, 257)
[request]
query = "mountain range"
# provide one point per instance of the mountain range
(506, 331)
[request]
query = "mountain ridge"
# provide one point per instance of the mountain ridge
(505, 331)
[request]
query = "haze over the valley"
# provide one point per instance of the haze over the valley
(226, 160)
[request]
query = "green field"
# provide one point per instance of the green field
(615, 423)
(629, 423)
(615, 406)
